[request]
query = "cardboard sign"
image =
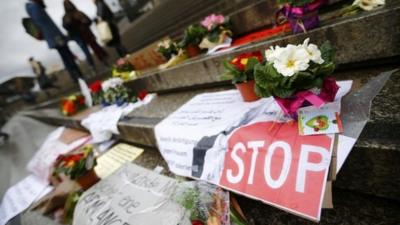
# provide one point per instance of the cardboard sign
(146, 57)
(271, 162)
(115, 158)
(132, 195)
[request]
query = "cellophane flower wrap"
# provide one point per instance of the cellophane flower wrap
(297, 74)
(114, 92)
(218, 27)
(75, 165)
(301, 14)
(240, 69)
(124, 69)
(72, 104)
(205, 204)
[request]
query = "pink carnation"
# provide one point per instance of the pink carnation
(212, 20)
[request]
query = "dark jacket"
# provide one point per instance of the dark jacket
(42, 20)
(78, 25)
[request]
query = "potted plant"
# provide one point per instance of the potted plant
(78, 166)
(167, 48)
(297, 75)
(192, 37)
(240, 71)
(114, 92)
(301, 14)
(72, 104)
(124, 69)
(218, 29)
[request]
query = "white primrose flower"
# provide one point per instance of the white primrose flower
(313, 51)
(291, 60)
(368, 5)
(272, 54)
(111, 83)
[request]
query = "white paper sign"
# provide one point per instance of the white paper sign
(104, 123)
(45, 157)
(132, 195)
(205, 115)
(20, 197)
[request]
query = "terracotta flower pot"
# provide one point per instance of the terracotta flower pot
(88, 180)
(247, 91)
(193, 50)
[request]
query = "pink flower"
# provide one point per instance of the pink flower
(212, 20)
(120, 62)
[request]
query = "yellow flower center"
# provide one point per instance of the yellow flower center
(244, 61)
(290, 63)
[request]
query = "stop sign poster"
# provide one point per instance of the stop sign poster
(271, 162)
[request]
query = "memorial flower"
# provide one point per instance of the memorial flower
(72, 104)
(218, 29)
(301, 14)
(240, 71)
(368, 5)
(167, 48)
(124, 69)
(291, 70)
(192, 37)
(114, 92)
(212, 20)
(95, 87)
(75, 165)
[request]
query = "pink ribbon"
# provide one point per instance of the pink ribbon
(292, 104)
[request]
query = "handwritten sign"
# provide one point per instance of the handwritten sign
(115, 158)
(271, 162)
(206, 115)
(20, 197)
(132, 195)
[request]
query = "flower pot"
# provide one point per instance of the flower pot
(88, 180)
(193, 50)
(246, 89)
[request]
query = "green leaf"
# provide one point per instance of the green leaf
(262, 92)
(327, 51)
(251, 63)
(283, 93)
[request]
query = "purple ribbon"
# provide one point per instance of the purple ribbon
(301, 18)
(292, 104)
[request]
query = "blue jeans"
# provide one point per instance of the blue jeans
(69, 62)
(85, 50)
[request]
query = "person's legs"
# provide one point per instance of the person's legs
(69, 63)
(120, 49)
(86, 51)
(100, 53)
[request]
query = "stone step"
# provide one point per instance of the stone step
(349, 208)
(352, 36)
(372, 159)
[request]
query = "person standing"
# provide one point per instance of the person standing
(78, 26)
(38, 69)
(53, 36)
(104, 13)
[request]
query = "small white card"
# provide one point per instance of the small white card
(324, 120)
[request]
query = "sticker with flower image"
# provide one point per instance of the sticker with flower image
(324, 120)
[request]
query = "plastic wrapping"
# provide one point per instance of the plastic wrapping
(204, 203)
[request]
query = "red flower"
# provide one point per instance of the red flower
(241, 60)
(142, 94)
(80, 99)
(197, 222)
(69, 107)
(95, 87)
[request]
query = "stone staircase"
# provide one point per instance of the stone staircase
(367, 189)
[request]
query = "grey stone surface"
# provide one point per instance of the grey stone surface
(349, 208)
(352, 37)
